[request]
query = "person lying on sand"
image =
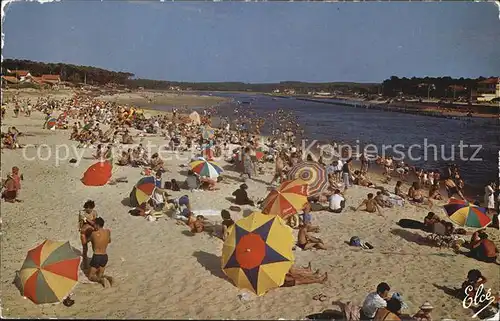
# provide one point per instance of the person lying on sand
(100, 239)
(298, 276)
(381, 201)
(370, 204)
(86, 225)
(306, 241)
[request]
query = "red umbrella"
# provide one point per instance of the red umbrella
(97, 174)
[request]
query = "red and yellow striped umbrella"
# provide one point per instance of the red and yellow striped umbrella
(49, 272)
(287, 200)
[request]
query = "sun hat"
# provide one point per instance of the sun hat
(426, 306)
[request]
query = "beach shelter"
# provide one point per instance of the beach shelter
(49, 272)
(466, 214)
(195, 118)
(206, 168)
(143, 190)
(257, 253)
(51, 123)
(312, 173)
(287, 200)
(98, 174)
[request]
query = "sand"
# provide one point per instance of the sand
(162, 271)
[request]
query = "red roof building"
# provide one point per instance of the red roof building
(10, 79)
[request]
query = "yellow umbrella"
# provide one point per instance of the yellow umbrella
(287, 200)
(257, 253)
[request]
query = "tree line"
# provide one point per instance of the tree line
(436, 87)
(68, 72)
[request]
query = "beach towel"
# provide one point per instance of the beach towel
(396, 200)
(207, 212)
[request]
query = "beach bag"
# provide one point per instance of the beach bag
(175, 186)
(355, 241)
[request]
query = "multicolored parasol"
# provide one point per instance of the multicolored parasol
(257, 253)
(49, 272)
(206, 168)
(143, 190)
(287, 200)
(51, 123)
(312, 173)
(466, 214)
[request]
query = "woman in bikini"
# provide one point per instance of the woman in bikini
(304, 275)
(86, 225)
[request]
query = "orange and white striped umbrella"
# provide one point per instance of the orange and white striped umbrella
(287, 200)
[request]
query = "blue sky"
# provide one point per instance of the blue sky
(260, 42)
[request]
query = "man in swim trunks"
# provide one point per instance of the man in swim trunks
(306, 241)
(100, 240)
(86, 225)
(452, 188)
(371, 205)
(298, 276)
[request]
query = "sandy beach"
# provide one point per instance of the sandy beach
(163, 271)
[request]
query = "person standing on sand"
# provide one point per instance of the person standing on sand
(489, 197)
(100, 240)
(86, 225)
(346, 174)
(452, 188)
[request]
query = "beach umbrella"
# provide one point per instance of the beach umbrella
(207, 132)
(49, 272)
(143, 190)
(259, 155)
(195, 118)
(97, 174)
(51, 123)
(466, 214)
(206, 168)
(287, 200)
(257, 253)
(312, 173)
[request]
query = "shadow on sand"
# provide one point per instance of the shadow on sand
(210, 262)
(410, 236)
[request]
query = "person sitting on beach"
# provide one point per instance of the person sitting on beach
(374, 301)
(306, 218)
(471, 284)
(336, 202)
(389, 313)
(370, 204)
(10, 189)
(452, 188)
(8, 140)
(298, 276)
(398, 190)
(127, 139)
(483, 250)
(156, 163)
(434, 192)
(430, 220)
(241, 196)
(100, 239)
(306, 241)
(86, 224)
(227, 222)
(415, 195)
(124, 160)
